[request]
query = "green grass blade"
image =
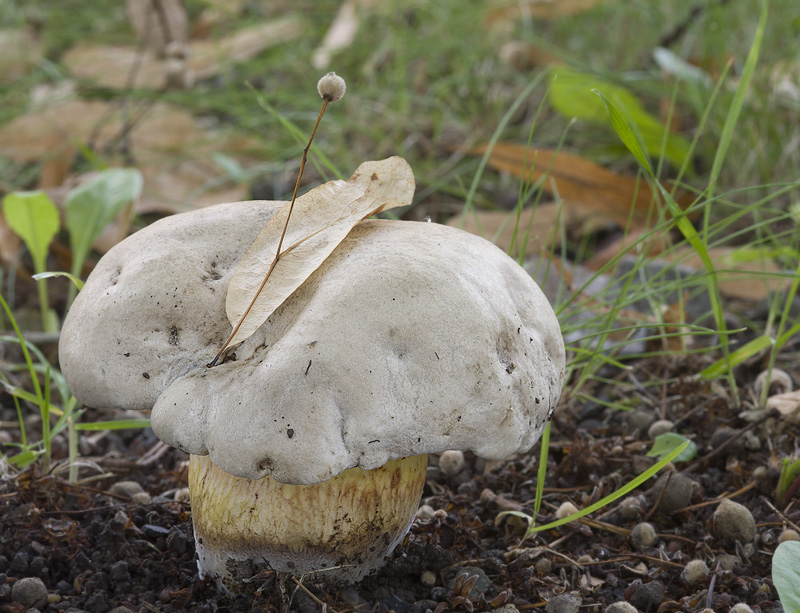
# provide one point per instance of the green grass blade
(735, 109)
(120, 424)
(632, 485)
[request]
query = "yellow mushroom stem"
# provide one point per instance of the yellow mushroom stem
(345, 526)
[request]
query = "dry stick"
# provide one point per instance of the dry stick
(238, 325)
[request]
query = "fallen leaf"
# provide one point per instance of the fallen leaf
(169, 146)
(538, 229)
(787, 404)
(650, 244)
(111, 66)
(319, 221)
(158, 22)
(49, 133)
(20, 52)
(577, 181)
(182, 185)
(524, 55)
(741, 273)
(340, 35)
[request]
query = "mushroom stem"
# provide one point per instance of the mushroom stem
(344, 527)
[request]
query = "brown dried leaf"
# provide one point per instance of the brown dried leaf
(111, 66)
(745, 280)
(169, 146)
(524, 55)
(319, 221)
(158, 22)
(577, 181)
(20, 51)
(542, 226)
(787, 404)
(340, 35)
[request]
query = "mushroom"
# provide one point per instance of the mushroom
(308, 445)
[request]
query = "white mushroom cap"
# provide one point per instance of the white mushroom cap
(154, 306)
(411, 338)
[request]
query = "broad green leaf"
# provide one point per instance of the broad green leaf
(91, 207)
(319, 221)
(786, 575)
(665, 443)
(571, 93)
(35, 219)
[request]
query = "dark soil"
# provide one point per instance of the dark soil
(95, 551)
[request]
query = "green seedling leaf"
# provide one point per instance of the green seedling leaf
(91, 207)
(786, 575)
(21, 460)
(34, 218)
(572, 95)
(625, 131)
(665, 443)
(51, 274)
(120, 424)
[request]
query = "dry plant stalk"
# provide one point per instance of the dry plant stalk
(331, 87)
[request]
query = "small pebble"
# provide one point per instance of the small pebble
(643, 536)
(544, 566)
(733, 522)
(621, 607)
(452, 462)
(565, 603)
(126, 489)
(741, 608)
(648, 596)
(141, 498)
(29, 592)
(425, 512)
(631, 507)
(662, 426)
(695, 571)
(565, 510)
(725, 561)
(788, 535)
(677, 489)
(428, 578)
(640, 420)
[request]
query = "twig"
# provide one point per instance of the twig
(780, 514)
(331, 91)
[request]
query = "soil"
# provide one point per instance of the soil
(96, 549)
